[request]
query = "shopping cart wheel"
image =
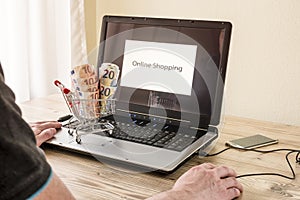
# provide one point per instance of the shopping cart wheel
(78, 140)
(70, 132)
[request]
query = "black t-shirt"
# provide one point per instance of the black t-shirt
(24, 170)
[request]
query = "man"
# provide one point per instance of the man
(25, 173)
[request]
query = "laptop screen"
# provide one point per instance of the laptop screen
(168, 67)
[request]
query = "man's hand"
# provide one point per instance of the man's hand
(208, 181)
(205, 182)
(43, 131)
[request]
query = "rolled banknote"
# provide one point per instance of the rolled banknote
(106, 96)
(109, 74)
(108, 78)
(88, 95)
(107, 106)
(91, 88)
(88, 110)
(107, 92)
(89, 104)
(83, 71)
(84, 78)
(85, 84)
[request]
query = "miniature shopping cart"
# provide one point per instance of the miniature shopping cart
(88, 113)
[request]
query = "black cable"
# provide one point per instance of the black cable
(208, 155)
(290, 151)
(297, 158)
(275, 174)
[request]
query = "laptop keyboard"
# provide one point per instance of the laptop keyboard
(168, 137)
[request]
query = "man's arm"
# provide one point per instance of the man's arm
(24, 171)
(55, 190)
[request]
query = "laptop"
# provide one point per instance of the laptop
(169, 94)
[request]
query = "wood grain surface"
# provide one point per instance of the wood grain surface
(89, 178)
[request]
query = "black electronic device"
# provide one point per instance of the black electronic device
(169, 94)
(252, 142)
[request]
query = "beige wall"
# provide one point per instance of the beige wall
(263, 79)
(90, 23)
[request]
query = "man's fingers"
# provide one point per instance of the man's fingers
(231, 182)
(45, 135)
(233, 193)
(40, 122)
(46, 125)
(224, 172)
(44, 130)
(36, 130)
(208, 165)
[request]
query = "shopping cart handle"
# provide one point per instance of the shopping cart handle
(64, 118)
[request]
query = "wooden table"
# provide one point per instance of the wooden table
(87, 178)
